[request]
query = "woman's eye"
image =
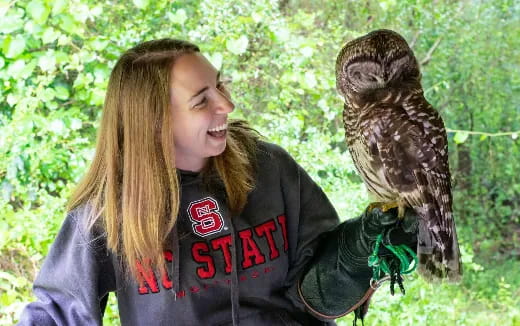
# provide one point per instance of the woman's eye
(201, 103)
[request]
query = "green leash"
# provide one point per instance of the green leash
(404, 261)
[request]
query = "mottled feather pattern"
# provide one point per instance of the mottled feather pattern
(398, 142)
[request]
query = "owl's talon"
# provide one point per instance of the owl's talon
(400, 283)
(388, 206)
(384, 207)
(392, 284)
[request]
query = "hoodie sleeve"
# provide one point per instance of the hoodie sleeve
(320, 279)
(74, 279)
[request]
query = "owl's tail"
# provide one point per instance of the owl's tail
(437, 246)
(438, 253)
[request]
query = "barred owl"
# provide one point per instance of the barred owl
(398, 143)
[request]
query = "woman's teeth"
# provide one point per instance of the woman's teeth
(219, 128)
(218, 131)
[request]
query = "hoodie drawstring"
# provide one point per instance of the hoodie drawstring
(234, 287)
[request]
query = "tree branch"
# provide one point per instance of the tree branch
(470, 132)
(428, 57)
(414, 40)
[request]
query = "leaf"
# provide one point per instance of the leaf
(141, 4)
(58, 6)
(28, 69)
(37, 10)
(64, 40)
(61, 57)
(75, 124)
(97, 97)
(67, 23)
(57, 127)
(101, 74)
(386, 4)
(99, 44)
(31, 27)
(215, 59)
(282, 34)
(81, 13)
(62, 92)
(2, 62)
(50, 35)
(237, 46)
(53, 105)
(257, 17)
(179, 17)
(307, 51)
(13, 47)
(16, 68)
(96, 11)
(4, 8)
(460, 137)
(12, 22)
(48, 95)
(12, 99)
(310, 80)
(47, 62)
(6, 190)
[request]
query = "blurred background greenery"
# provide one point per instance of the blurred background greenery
(56, 56)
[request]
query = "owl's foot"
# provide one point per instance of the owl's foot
(383, 206)
(387, 206)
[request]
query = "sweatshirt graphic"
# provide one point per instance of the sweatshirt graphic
(220, 269)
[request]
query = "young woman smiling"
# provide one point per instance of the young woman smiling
(192, 219)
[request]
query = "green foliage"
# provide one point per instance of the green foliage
(488, 295)
(56, 56)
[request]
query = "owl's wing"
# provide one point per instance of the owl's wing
(401, 145)
(415, 167)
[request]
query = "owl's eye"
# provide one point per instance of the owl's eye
(356, 74)
(365, 74)
(401, 66)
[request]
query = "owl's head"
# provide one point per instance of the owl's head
(377, 60)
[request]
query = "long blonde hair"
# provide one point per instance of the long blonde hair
(131, 188)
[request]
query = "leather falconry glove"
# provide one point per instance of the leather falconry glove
(338, 280)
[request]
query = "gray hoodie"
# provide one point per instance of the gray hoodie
(271, 242)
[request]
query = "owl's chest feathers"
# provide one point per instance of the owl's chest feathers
(371, 170)
(360, 133)
(360, 113)
(369, 166)
(410, 103)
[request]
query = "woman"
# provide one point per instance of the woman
(192, 219)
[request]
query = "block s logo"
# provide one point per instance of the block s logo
(205, 216)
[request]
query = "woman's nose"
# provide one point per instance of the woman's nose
(223, 103)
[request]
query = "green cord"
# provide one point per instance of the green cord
(380, 266)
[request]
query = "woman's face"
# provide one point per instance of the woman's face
(200, 105)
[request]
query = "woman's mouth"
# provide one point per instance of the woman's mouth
(219, 131)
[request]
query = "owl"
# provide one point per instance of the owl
(398, 143)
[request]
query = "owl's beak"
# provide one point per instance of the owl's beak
(380, 82)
